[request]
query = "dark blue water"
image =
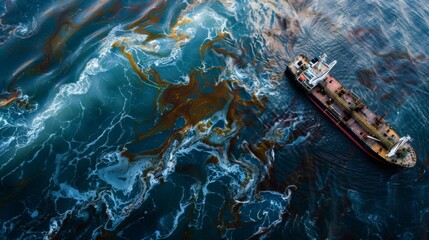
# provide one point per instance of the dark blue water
(172, 119)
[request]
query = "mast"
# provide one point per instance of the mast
(401, 142)
(322, 60)
(313, 82)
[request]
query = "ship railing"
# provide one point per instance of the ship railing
(359, 118)
(305, 85)
(336, 111)
(336, 117)
(354, 95)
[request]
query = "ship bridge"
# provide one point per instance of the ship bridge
(312, 72)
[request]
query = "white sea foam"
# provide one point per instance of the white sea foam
(26, 30)
(122, 174)
(70, 192)
(176, 54)
(66, 93)
(60, 100)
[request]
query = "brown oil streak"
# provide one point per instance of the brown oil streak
(134, 65)
(204, 47)
(159, 150)
(150, 19)
(8, 99)
(235, 208)
(179, 37)
(180, 21)
(143, 76)
(213, 159)
(64, 31)
(203, 127)
(130, 156)
(117, 44)
(106, 234)
(147, 18)
(229, 54)
(192, 111)
(261, 150)
(151, 36)
(220, 131)
(179, 96)
(69, 28)
(187, 233)
(189, 102)
(248, 178)
(157, 78)
(213, 144)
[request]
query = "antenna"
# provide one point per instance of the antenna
(322, 60)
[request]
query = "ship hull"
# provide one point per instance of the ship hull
(340, 125)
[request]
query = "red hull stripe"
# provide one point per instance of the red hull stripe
(343, 130)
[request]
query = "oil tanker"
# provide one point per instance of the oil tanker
(347, 111)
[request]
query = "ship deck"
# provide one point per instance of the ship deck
(344, 106)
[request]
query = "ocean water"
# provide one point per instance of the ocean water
(173, 120)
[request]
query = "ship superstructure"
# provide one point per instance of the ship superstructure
(366, 129)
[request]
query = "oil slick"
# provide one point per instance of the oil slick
(172, 119)
(8, 98)
(199, 110)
